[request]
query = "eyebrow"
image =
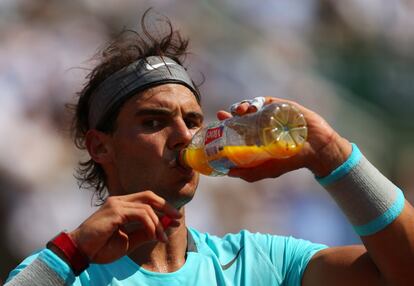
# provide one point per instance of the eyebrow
(160, 111)
(154, 111)
(195, 115)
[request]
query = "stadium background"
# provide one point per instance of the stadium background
(351, 61)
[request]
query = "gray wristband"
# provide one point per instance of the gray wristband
(37, 273)
(369, 200)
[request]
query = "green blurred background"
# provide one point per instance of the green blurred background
(351, 61)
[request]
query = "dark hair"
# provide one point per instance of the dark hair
(126, 48)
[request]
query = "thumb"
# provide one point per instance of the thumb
(222, 115)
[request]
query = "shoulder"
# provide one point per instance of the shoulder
(273, 247)
(241, 238)
(205, 239)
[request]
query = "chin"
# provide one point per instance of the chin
(181, 202)
(185, 193)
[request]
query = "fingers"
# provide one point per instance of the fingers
(241, 108)
(270, 169)
(140, 213)
(222, 115)
(244, 107)
(123, 223)
(251, 174)
(155, 201)
(252, 105)
(144, 218)
(158, 209)
(247, 106)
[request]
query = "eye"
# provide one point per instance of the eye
(152, 123)
(192, 124)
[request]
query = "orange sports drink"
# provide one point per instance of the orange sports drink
(276, 131)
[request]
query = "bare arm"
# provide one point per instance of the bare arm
(388, 261)
(103, 237)
(387, 255)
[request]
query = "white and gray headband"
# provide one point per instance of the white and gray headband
(136, 77)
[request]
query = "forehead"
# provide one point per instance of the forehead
(170, 96)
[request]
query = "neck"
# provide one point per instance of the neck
(163, 257)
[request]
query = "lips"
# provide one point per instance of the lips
(174, 164)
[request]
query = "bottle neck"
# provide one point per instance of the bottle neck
(181, 159)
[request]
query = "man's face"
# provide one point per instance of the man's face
(152, 127)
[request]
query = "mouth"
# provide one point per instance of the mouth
(174, 164)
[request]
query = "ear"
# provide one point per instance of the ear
(98, 145)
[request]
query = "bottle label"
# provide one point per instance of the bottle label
(213, 134)
(214, 144)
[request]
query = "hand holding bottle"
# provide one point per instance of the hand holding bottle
(277, 130)
(322, 152)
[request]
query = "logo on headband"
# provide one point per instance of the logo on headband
(155, 66)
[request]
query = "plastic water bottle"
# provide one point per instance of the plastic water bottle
(276, 131)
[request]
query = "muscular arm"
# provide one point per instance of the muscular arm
(388, 253)
(386, 259)
(347, 265)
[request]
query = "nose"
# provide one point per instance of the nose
(180, 135)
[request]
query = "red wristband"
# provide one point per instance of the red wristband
(76, 259)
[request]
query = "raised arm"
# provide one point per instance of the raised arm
(376, 208)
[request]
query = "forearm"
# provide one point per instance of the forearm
(37, 273)
(46, 269)
(379, 213)
(392, 249)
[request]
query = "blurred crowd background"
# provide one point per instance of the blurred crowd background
(351, 61)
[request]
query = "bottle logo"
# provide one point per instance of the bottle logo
(213, 134)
